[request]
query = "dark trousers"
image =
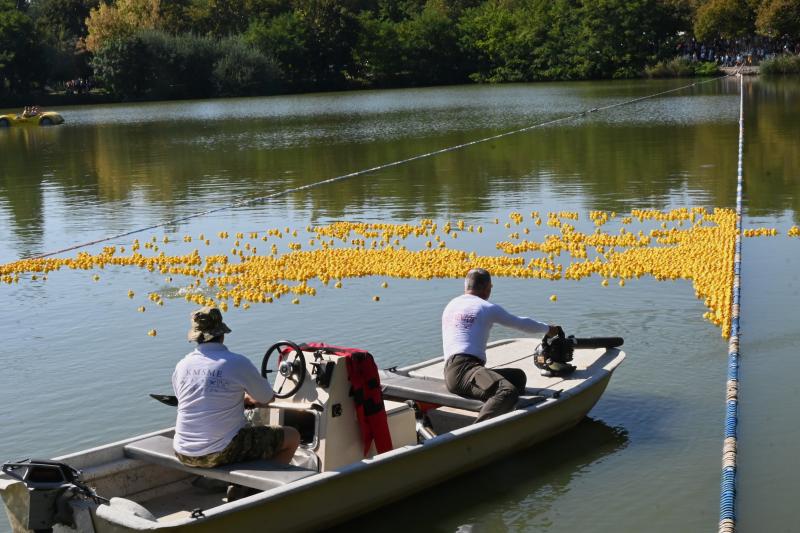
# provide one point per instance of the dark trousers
(499, 388)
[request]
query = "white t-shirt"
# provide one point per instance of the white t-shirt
(210, 383)
(468, 319)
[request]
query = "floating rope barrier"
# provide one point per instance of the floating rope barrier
(727, 502)
(251, 201)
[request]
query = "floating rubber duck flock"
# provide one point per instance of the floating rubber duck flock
(687, 243)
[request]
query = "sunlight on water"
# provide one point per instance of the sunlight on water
(77, 363)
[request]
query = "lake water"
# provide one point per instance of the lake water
(77, 363)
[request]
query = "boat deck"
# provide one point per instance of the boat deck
(506, 353)
(177, 500)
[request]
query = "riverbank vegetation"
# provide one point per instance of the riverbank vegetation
(138, 49)
(680, 67)
(779, 65)
(156, 64)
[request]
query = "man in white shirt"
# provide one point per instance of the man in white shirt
(213, 385)
(466, 323)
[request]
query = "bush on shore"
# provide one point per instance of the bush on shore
(154, 64)
(681, 68)
(780, 65)
(706, 68)
(242, 70)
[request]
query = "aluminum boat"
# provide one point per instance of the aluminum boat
(138, 485)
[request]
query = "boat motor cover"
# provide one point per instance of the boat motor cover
(365, 388)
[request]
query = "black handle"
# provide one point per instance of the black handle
(598, 342)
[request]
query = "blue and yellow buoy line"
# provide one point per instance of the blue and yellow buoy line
(727, 502)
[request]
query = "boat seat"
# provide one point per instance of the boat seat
(261, 474)
(434, 391)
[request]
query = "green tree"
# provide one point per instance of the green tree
(332, 32)
(242, 70)
(524, 40)
(383, 65)
(61, 19)
(174, 16)
(156, 64)
(421, 47)
(120, 19)
(394, 10)
(724, 19)
(555, 40)
(121, 65)
(221, 18)
(430, 41)
(619, 37)
(61, 26)
(500, 38)
(313, 43)
(218, 17)
(779, 18)
(19, 50)
(286, 38)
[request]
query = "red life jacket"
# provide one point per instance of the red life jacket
(365, 388)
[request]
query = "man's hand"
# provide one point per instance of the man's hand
(250, 403)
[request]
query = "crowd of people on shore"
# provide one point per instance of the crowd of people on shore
(79, 86)
(736, 53)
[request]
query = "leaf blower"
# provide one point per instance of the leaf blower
(554, 354)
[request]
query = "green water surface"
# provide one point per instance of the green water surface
(77, 364)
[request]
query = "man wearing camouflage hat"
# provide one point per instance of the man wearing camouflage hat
(213, 385)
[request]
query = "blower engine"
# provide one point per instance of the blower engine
(51, 486)
(554, 354)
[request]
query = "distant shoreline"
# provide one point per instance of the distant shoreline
(61, 99)
(747, 70)
(56, 99)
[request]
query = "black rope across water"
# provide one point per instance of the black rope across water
(250, 201)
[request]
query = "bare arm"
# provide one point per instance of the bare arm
(249, 402)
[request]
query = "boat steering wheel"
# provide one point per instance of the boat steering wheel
(291, 366)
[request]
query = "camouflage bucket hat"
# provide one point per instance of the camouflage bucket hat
(206, 324)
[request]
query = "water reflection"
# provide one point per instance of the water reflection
(113, 168)
(637, 156)
(513, 494)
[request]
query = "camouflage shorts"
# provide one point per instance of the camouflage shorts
(251, 443)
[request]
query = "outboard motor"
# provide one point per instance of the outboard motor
(554, 354)
(51, 486)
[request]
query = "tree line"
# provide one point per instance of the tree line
(201, 48)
